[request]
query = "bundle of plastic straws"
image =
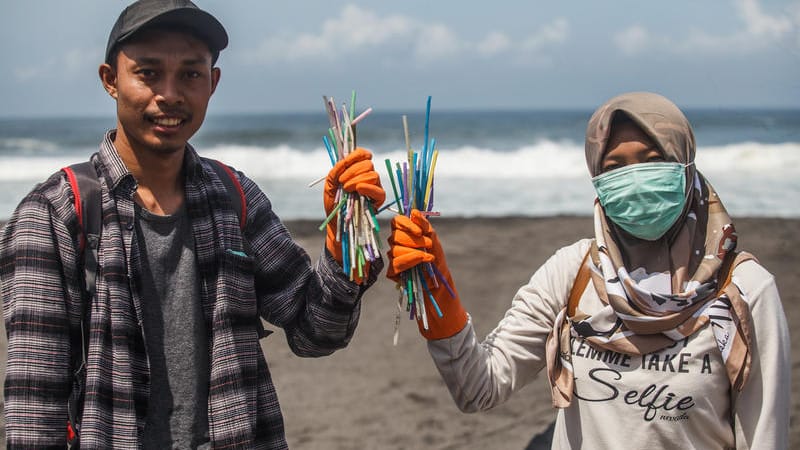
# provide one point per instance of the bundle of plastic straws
(357, 228)
(412, 184)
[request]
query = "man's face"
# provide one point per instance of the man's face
(162, 83)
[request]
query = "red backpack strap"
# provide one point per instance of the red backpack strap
(87, 198)
(234, 187)
(76, 194)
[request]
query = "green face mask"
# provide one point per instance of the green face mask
(644, 199)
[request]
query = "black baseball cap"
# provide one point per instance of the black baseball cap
(180, 13)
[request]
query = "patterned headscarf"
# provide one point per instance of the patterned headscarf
(657, 292)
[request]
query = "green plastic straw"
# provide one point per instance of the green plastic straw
(373, 216)
(352, 105)
(361, 261)
(410, 291)
(394, 185)
(332, 214)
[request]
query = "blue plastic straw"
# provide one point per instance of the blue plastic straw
(401, 185)
(415, 181)
(328, 147)
(428, 291)
(427, 126)
(345, 254)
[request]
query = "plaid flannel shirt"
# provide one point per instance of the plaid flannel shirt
(261, 272)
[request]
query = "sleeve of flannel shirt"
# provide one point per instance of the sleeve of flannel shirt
(317, 305)
(38, 376)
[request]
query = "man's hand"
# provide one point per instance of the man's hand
(355, 173)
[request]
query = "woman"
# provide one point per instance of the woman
(654, 334)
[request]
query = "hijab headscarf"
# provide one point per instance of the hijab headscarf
(656, 292)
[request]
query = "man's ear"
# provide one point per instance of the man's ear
(108, 76)
(215, 76)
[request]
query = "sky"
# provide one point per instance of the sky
(284, 56)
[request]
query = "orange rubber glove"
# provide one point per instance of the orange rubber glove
(356, 174)
(414, 241)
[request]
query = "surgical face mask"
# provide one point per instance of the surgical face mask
(644, 199)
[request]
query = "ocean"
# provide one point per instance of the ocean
(490, 163)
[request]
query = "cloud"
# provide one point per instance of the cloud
(358, 31)
(494, 43)
(24, 74)
(759, 31)
(438, 42)
(633, 40)
(71, 62)
(553, 33)
(759, 24)
(354, 30)
(794, 12)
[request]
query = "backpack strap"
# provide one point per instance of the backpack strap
(579, 285)
(85, 186)
(234, 188)
(88, 205)
(239, 203)
(723, 280)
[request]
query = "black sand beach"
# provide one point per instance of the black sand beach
(373, 395)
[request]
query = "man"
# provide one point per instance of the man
(173, 355)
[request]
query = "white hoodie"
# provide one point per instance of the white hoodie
(678, 397)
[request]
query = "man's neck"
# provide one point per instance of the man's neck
(158, 175)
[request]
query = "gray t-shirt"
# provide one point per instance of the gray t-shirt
(175, 333)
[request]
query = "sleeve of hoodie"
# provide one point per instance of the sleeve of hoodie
(481, 375)
(762, 408)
